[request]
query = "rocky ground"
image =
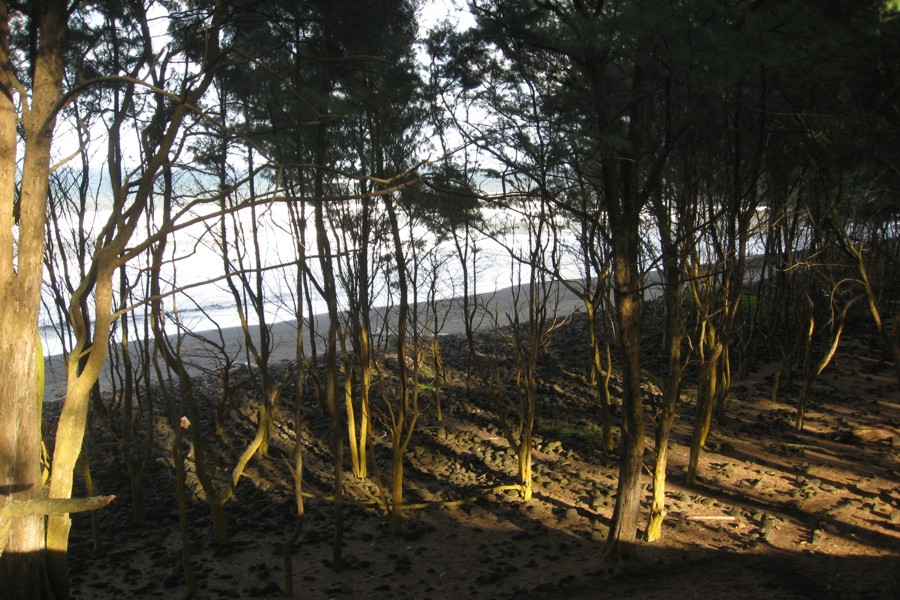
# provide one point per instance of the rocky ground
(776, 513)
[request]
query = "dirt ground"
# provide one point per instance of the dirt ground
(776, 513)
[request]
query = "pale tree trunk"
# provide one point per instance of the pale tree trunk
(21, 270)
(673, 267)
(361, 361)
(88, 355)
(403, 418)
(856, 252)
(600, 375)
(711, 349)
(302, 286)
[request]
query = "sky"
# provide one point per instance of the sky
(436, 11)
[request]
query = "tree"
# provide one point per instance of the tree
(596, 63)
(23, 201)
(21, 272)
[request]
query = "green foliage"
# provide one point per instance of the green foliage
(430, 384)
(749, 302)
(446, 197)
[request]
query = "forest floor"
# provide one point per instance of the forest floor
(776, 513)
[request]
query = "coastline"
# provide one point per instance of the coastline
(283, 333)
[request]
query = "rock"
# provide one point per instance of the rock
(174, 579)
(816, 537)
(340, 587)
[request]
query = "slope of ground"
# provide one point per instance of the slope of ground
(776, 513)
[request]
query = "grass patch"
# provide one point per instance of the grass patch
(569, 432)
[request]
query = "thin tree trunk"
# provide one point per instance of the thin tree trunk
(706, 394)
(401, 430)
(671, 389)
(331, 349)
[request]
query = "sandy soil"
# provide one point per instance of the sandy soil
(776, 513)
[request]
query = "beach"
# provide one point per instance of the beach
(497, 306)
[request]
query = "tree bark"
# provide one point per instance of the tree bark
(623, 530)
(671, 388)
(21, 271)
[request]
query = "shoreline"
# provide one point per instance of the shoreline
(283, 334)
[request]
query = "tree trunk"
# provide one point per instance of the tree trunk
(403, 418)
(21, 270)
(658, 505)
(672, 264)
(331, 349)
(89, 354)
(623, 530)
(20, 451)
(600, 375)
(397, 485)
(706, 395)
(365, 329)
(525, 464)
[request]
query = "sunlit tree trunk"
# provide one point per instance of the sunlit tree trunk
(673, 271)
(89, 352)
(246, 286)
(595, 295)
(855, 251)
(363, 337)
(710, 351)
(601, 373)
(403, 416)
(21, 270)
(465, 247)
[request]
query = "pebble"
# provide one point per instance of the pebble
(341, 587)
